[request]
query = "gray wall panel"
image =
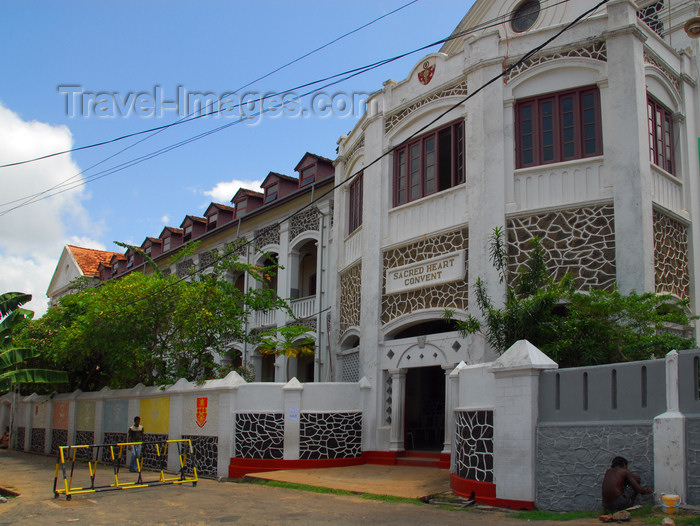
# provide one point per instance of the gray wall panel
(572, 459)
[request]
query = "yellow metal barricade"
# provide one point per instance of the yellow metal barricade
(117, 456)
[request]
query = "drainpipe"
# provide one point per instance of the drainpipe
(319, 297)
(244, 358)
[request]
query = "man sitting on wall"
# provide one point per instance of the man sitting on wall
(621, 486)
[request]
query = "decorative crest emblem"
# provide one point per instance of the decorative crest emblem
(202, 411)
(426, 74)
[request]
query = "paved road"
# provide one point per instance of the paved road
(210, 502)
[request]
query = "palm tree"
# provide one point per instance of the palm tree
(11, 357)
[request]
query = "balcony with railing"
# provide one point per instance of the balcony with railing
(304, 307)
(301, 308)
(265, 318)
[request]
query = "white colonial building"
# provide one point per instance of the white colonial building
(574, 121)
(76, 262)
(590, 144)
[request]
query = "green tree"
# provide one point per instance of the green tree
(149, 328)
(13, 359)
(574, 327)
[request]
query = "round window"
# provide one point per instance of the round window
(525, 16)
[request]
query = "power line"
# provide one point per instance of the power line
(495, 78)
(27, 200)
(187, 118)
(191, 117)
(99, 175)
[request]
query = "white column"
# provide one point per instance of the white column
(367, 402)
(292, 414)
(449, 409)
(99, 430)
(451, 403)
(227, 429)
(323, 260)
(31, 404)
(689, 163)
(283, 369)
(515, 417)
(49, 427)
(669, 438)
(72, 417)
(487, 158)
(177, 404)
(398, 395)
(26, 419)
(624, 114)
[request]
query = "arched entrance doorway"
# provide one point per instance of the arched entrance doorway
(425, 409)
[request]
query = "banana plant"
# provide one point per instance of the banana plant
(11, 358)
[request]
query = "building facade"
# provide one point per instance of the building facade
(284, 224)
(590, 143)
(560, 120)
(76, 262)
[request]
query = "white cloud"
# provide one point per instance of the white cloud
(165, 219)
(32, 237)
(83, 241)
(224, 191)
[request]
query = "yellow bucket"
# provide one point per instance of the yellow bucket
(669, 502)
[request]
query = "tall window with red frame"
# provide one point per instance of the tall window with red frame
(558, 127)
(660, 135)
(307, 175)
(355, 204)
(431, 163)
(271, 193)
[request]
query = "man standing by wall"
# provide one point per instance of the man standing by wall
(135, 434)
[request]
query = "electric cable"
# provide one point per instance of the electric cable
(127, 164)
(349, 74)
(495, 78)
(491, 23)
(30, 199)
(205, 114)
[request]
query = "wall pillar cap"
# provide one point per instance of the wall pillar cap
(364, 383)
(461, 365)
(120, 393)
(670, 415)
(523, 356)
(293, 385)
(62, 397)
(232, 379)
(180, 385)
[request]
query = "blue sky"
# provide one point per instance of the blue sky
(77, 73)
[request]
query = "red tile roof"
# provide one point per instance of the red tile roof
(251, 193)
(221, 207)
(89, 259)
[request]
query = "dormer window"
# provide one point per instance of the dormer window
(307, 175)
(240, 209)
(271, 193)
(115, 267)
(148, 250)
(130, 260)
(212, 221)
(166, 244)
(188, 233)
